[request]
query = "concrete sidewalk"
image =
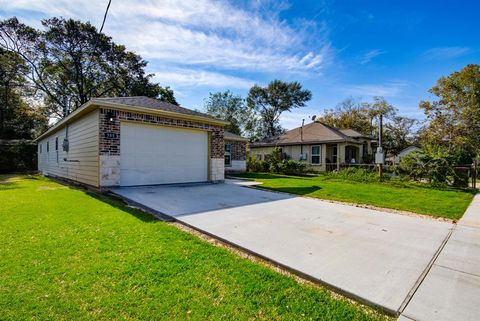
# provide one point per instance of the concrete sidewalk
(451, 289)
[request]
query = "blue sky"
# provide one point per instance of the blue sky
(337, 49)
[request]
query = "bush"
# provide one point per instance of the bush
(434, 165)
(274, 163)
(20, 157)
(356, 175)
(292, 167)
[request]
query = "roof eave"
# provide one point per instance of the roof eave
(93, 104)
(162, 113)
(254, 145)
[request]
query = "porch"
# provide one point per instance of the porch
(341, 155)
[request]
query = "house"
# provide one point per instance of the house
(320, 145)
(405, 152)
(128, 141)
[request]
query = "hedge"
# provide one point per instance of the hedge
(18, 157)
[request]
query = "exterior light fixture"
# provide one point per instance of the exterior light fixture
(110, 116)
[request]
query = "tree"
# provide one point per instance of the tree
(271, 101)
(349, 114)
(454, 118)
(70, 62)
(227, 106)
(18, 120)
(359, 116)
(379, 107)
(399, 133)
(166, 94)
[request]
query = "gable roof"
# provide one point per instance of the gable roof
(353, 133)
(150, 103)
(139, 104)
(313, 133)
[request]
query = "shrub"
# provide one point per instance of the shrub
(19, 157)
(274, 160)
(274, 163)
(292, 167)
(356, 175)
(434, 165)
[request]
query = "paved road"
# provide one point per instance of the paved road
(375, 256)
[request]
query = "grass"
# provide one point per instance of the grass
(66, 254)
(447, 202)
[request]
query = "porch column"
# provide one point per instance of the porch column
(338, 156)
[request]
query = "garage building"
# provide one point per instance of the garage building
(130, 141)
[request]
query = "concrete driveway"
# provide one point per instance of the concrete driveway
(374, 256)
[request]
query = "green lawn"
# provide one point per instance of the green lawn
(69, 255)
(447, 203)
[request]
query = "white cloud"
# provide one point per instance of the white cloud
(198, 33)
(180, 78)
(290, 120)
(392, 89)
(445, 53)
(367, 57)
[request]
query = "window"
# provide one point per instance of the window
(48, 147)
(335, 154)
(56, 147)
(316, 155)
(258, 157)
(228, 154)
(40, 147)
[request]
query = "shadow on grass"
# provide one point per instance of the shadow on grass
(267, 176)
(119, 204)
(8, 182)
(295, 190)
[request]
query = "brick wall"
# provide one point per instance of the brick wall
(239, 150)
(110, 130)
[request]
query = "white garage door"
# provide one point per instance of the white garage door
(162, 155)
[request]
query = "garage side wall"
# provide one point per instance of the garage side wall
(238, 156)
(110, 142)
(78, 162)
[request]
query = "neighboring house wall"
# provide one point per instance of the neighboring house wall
(110, 142)
(238, 156)
(294, 152)
(405, 152)
(80, 163)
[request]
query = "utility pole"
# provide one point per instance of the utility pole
(379, 156)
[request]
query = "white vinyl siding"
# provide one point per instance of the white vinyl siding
(80, 163)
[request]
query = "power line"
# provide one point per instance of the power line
(105, 16)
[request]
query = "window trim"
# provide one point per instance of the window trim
(319, 155)
(228, 154)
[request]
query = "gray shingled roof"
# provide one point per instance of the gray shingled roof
(230, 135)
(354, 133)
(313, 133)
(152, 103)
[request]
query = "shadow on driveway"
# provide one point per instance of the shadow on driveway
(189, 199)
